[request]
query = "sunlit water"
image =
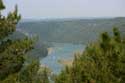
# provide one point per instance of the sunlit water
(60, 51)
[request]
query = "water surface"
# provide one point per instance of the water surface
(60, 51)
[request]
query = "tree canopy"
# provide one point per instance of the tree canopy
(11, 51)
(101, 62)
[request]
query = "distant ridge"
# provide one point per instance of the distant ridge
(68, 19)
(72, 30)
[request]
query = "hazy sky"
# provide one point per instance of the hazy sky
(67, 8)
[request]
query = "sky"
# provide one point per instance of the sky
(38, 9)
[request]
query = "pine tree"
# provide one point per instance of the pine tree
(12, 52)
(101, 62)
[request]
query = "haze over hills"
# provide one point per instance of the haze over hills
(71, 30)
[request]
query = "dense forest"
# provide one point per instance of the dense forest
(103, 60)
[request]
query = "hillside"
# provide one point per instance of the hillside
(71, 30)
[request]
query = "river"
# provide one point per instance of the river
(60, 54)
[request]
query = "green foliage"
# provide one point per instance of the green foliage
(43, 76)
(8, 24)
(14, 66)
(1, 5)
(101, 62)
(33, 73)
(30, 73)
(117, 36)
(12, 56)
(11, 52)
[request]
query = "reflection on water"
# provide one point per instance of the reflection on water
(60, 51)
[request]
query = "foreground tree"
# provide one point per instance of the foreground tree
(101, 62)
(15, 66)
(11, 51)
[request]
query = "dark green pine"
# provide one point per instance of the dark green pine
(1, 5)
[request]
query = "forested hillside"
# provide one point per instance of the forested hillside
(71, 30)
